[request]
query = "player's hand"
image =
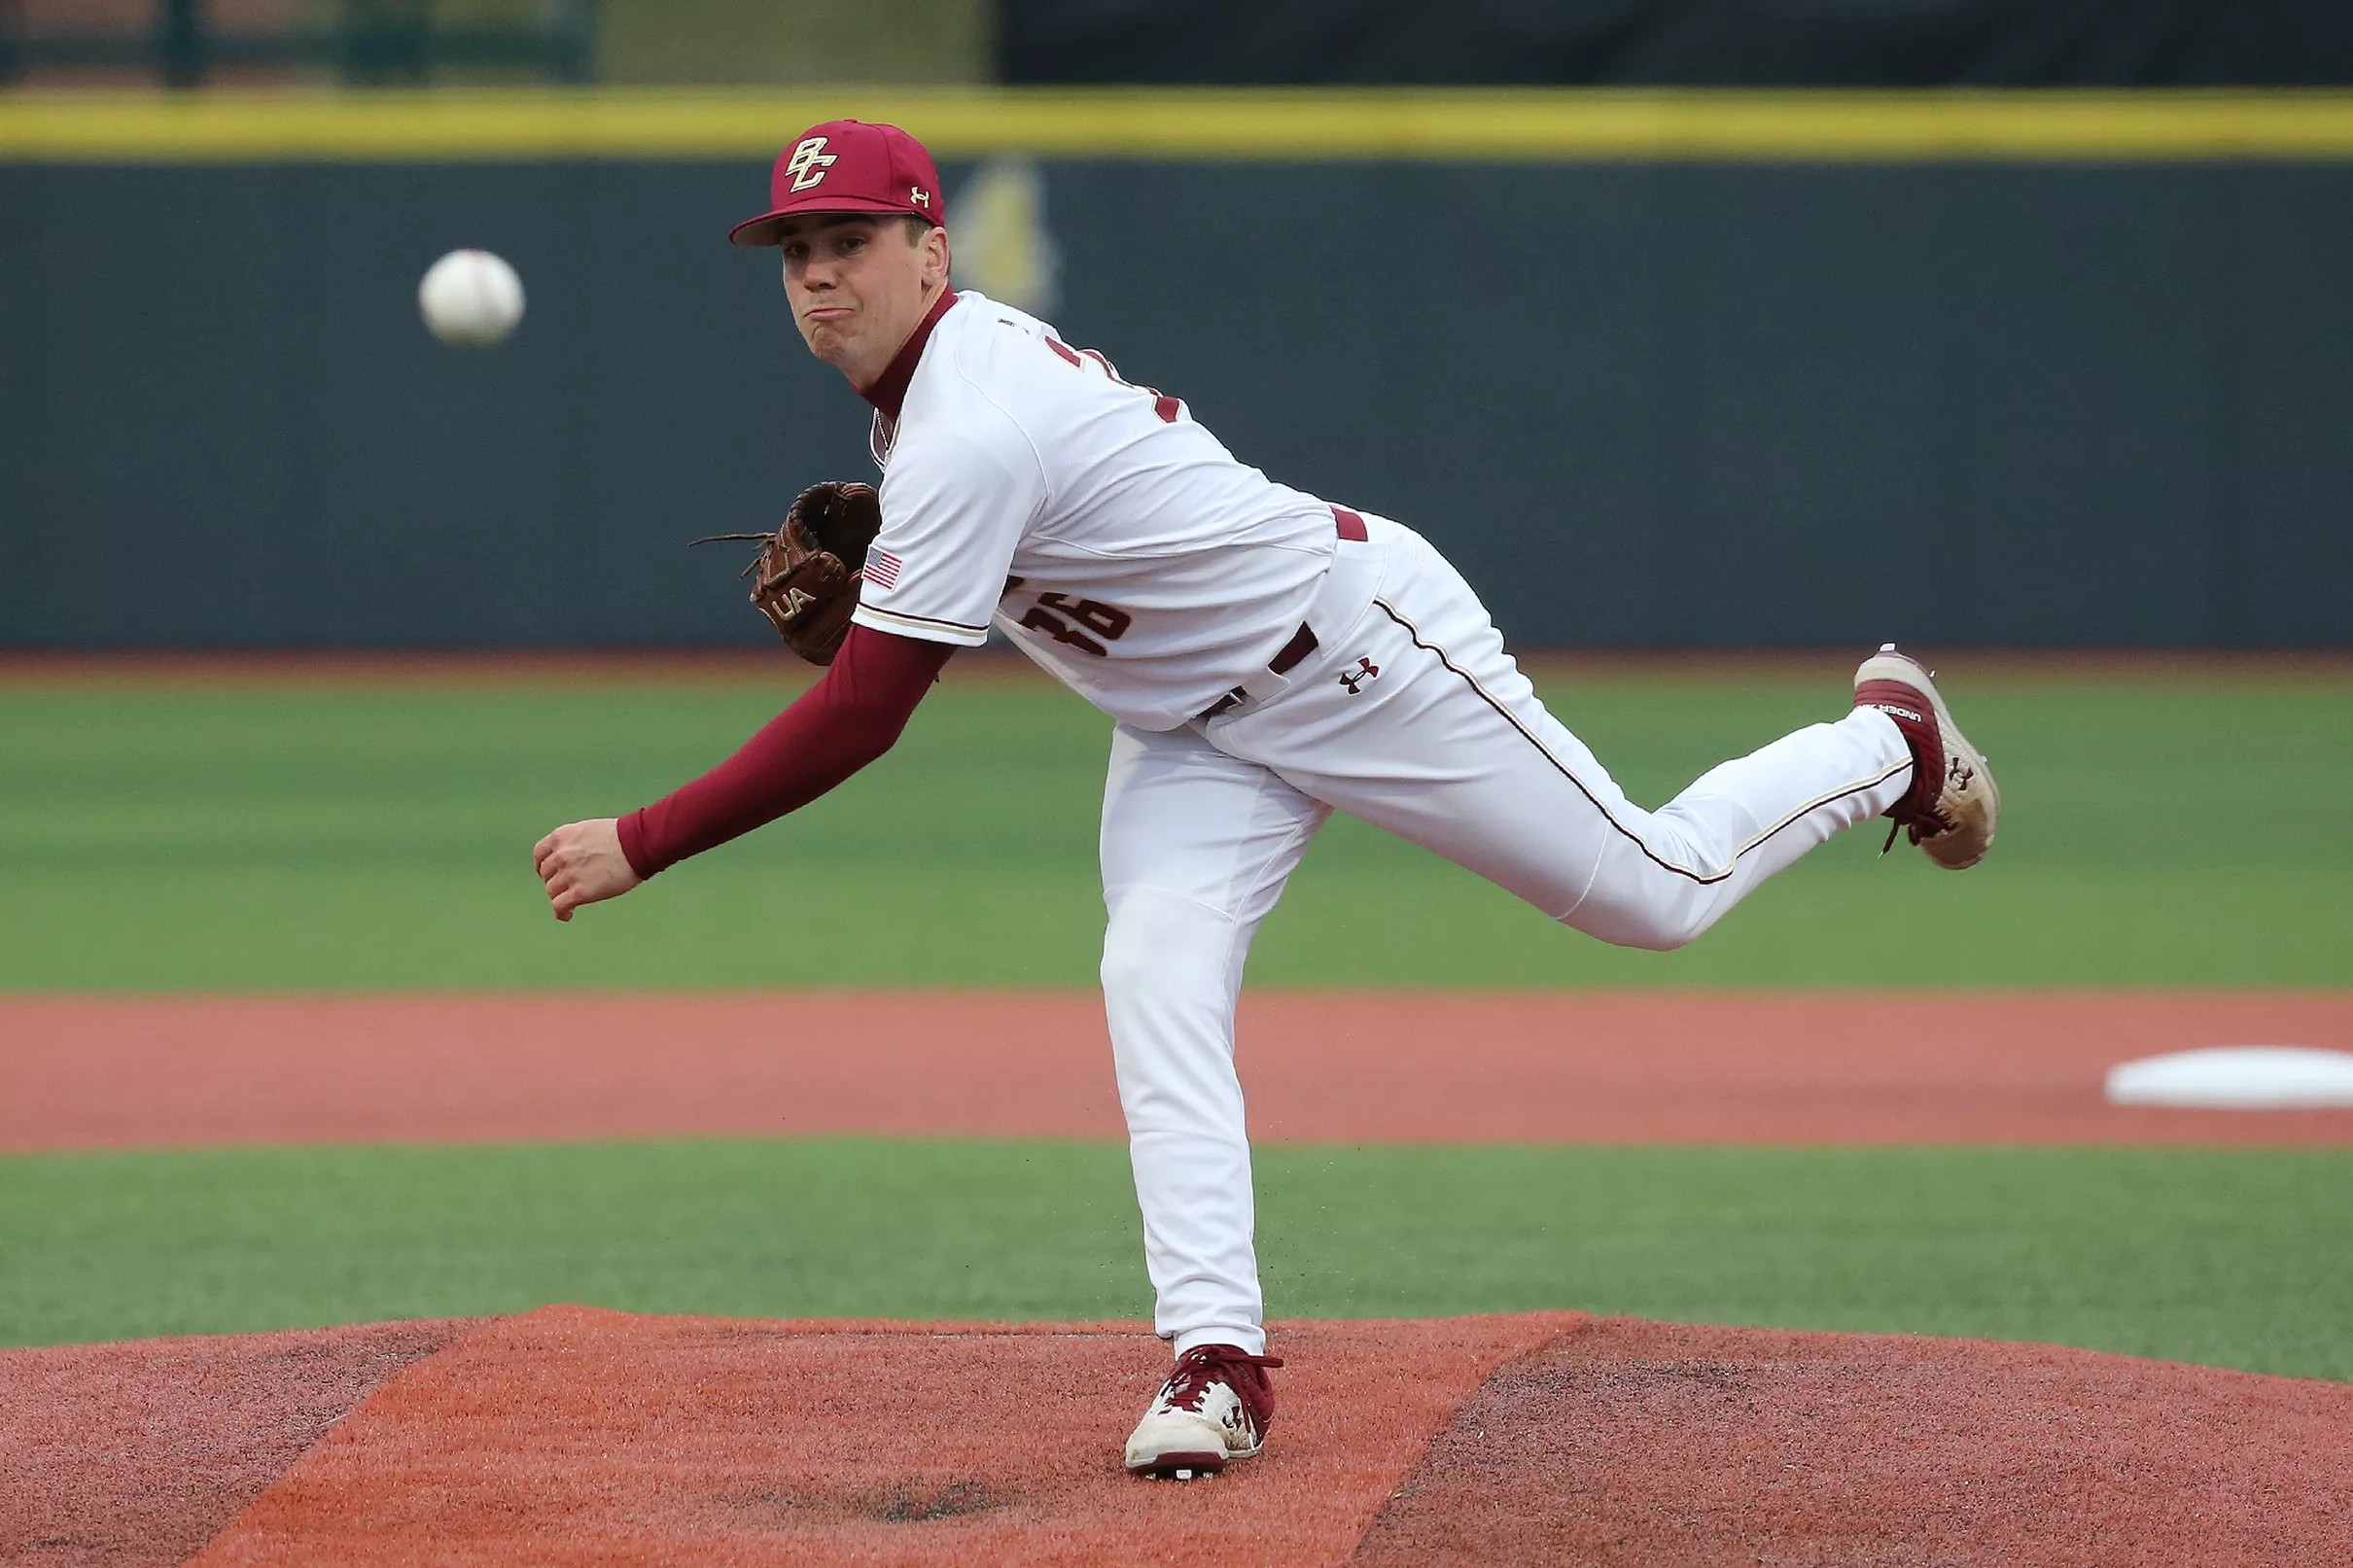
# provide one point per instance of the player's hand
(581, 863)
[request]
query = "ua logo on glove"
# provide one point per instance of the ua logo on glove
(809, 162)
(1354, 679)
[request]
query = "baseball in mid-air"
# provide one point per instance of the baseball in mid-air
(471, 298)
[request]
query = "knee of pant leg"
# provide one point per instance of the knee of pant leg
(1656, 925)
(1652, 936)
(1164, 943)
(1168, 992)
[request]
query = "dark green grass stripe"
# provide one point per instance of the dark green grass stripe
(2230, 1258)
(357, 838)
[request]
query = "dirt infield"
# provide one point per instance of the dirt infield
(1641, 1443)
(573, 1436)
(133, 1455)
(1629, 1067)
(595, 1436)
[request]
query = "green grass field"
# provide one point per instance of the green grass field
(2231, 1258)
(2157, 833)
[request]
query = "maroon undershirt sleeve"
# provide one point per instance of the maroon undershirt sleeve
(831, 730)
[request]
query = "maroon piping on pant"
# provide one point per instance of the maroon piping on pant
(1413, 634)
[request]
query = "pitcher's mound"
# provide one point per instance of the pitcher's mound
(571, 1436)
(1647, 1444)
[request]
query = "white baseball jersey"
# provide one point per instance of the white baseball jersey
(1113, 539)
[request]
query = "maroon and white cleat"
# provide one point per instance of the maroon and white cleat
(1212, 1410)
(1951, 808)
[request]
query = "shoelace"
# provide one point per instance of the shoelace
(1203, 1364)
(1912, 824)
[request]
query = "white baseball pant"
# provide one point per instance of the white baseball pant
(1447, 745)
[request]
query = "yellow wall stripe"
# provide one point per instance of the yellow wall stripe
(1562, 125)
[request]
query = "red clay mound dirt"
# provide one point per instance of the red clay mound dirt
(1660, 1447)
(572, 1435)
(136, 1454)
(1625, 1067)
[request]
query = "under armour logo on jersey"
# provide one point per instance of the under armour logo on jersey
(1354, 679)
(809, 162)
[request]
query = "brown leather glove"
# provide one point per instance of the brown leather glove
(805, 579)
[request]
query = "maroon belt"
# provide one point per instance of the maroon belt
(1348, 526)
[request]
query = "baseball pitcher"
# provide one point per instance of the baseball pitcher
(1269, 657)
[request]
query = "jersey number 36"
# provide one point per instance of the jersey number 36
(1104, 620)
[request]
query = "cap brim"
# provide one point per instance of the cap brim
(768, 228)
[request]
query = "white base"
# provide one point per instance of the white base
(2236, 1077)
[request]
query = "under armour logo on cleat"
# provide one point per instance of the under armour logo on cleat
(1354, 679)
(1959, 772)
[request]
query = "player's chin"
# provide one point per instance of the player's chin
(827, 336)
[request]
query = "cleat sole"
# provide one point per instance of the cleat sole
(1180, 1467)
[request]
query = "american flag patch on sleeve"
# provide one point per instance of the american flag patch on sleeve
(882, 569)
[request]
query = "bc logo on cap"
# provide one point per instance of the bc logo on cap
(808, 164)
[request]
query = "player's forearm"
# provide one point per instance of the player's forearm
(852, 716)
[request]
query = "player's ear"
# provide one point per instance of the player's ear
(935, 254)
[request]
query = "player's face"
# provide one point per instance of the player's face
(859, 286)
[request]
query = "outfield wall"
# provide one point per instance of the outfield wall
(1673, 377)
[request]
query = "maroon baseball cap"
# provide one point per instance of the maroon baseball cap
(847, 166)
